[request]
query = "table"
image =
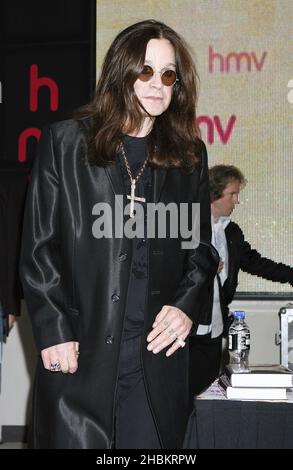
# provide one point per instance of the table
(238, 424)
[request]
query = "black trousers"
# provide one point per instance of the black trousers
(135, 425)
(205, 361)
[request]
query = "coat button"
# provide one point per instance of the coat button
(122, 256)
(109, 339)
(115, 298)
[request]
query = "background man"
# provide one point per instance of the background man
(235, 253)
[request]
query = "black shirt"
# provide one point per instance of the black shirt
(136, 153)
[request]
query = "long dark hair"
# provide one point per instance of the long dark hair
(115, 110)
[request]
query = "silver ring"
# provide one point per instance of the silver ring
(56, 367)
(181, 342)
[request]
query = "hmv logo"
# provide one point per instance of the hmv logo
(215, 127)
(235, 61)
(36, 83)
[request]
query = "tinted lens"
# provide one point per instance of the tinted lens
(146, 73)
(169, 77)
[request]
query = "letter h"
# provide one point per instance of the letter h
(36, 83)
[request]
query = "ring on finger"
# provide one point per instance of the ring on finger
(181, 342)
(55, 367)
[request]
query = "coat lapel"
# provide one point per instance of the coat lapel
(230, 249)
(113, 172)
(114, 175)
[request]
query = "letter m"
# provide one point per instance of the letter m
(238, 58)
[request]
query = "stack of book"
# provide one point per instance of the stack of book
(260, 382)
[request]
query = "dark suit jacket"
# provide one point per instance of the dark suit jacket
(243, 257)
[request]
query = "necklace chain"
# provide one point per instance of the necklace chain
(133, 182)
(128, 167)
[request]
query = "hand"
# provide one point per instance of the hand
(171, 325)
(11, 321)
(221, 265)
(63, 356)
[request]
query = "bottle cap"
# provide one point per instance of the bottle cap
(239, 314)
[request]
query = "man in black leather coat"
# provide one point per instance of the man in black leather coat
(128, 304)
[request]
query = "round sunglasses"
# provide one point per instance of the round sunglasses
(168, 77)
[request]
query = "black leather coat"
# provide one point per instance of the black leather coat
(75, 287)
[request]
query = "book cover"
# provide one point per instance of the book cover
(252, 393)
(262, 375)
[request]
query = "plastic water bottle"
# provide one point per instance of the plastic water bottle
(239, 342)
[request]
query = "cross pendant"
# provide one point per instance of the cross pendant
(133, 198)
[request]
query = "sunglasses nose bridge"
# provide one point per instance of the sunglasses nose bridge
(156, 78)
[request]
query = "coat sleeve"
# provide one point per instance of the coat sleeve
(40, 265)
(254, 263)
(202, 262)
